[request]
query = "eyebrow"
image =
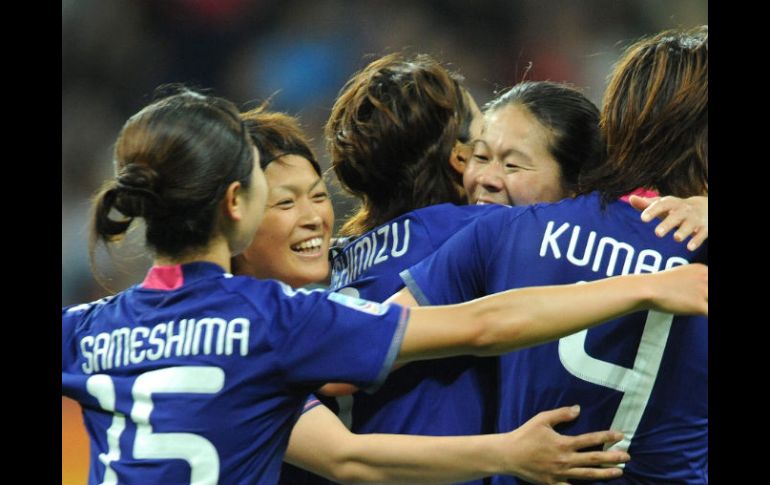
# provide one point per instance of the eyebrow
(296, 188)
(513, 151)
(505, 153)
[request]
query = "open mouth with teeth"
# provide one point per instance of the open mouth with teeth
(489, 202)
(308, 247)
(494, 201)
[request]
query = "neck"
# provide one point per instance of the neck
(217, 252)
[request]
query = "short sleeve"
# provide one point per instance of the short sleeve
(323, 336)
(456, 272)
(69, 319)
(311, 402)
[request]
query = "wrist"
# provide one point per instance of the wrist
(648, 291)
(505, 451)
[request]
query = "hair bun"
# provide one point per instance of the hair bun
(136, 190)
(138, 176)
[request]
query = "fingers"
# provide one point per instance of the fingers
(592, 473)
(641, 203)
(596, 465)
(599, 458)
(672, 220)
(596, 438)
(656, 207)
(697, 240)
(674, 213)
(559, 415)
(686, 228)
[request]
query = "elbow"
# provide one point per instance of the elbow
(352, 472)
(347, 467)
(496, 333)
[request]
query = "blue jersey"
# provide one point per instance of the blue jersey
(644, 374)
(197, 376)
(454, 396)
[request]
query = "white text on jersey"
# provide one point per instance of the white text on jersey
(373, 248)
(607, 252)
(133, 345)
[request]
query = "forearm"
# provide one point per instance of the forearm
(388, 458)
(321, 444)
(541, 314)
(513, 319)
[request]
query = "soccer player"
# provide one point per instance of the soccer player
(292, 243)
(196, 375)
(646, 373)
(299, 211)
(545, 134)
(396, 136)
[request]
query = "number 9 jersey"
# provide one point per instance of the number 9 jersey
(644, 374)
(197, 376)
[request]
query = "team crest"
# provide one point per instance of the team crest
(370, 307)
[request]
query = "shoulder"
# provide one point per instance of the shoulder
(456, 211)
(266, 292)
(449, 218)
(80, 312)
(571, 205)
(82, 308)
(584, 206)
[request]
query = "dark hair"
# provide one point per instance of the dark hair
(655, 118)
(276, 135)
(571, 119)
(174, 160)
(465, 117)
(390, 136)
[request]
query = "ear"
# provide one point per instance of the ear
(457, 159)
(232, 205)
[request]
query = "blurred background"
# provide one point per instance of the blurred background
(300, 52)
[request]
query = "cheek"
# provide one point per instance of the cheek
(519, 188)
(469, 178)
(273, 234)
(551, 189)
(327, 214)
(531, 188)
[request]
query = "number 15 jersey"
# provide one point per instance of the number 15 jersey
(197, 376)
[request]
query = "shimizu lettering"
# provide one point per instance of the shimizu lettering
(133, 345)
(608, 252)
(389, 241)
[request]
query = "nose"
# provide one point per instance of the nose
(309, 217)
(491, 178)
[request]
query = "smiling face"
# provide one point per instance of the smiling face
(511, 163)
(292, 244)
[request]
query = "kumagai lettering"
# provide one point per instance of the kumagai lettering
(605, 254)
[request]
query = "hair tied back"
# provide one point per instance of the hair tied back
(135, 187)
